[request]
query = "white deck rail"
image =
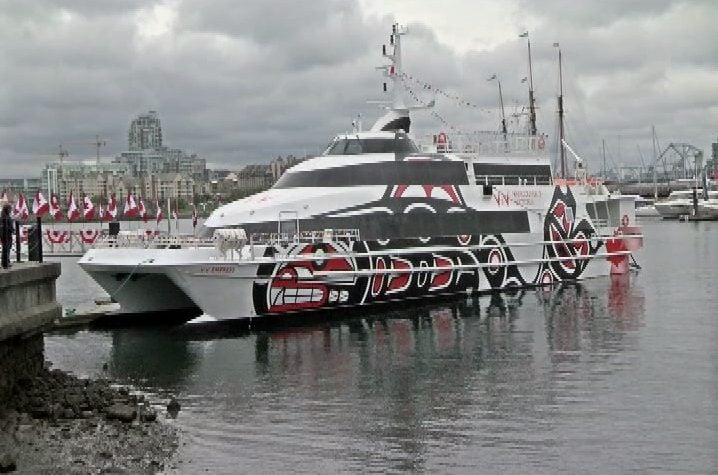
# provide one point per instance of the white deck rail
(484, 143)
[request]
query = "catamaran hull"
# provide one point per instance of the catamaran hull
(143, 293)
(137, 278)
(331, 275)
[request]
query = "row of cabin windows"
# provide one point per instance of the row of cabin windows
(513, 180)
(379, 173)
(414, 172)
(512, 174)
(400, 144)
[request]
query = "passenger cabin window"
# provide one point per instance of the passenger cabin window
(356, 146)
(501, 174)
(441, 172)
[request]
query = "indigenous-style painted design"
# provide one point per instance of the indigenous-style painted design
(571, 239)
(305, 284)
(503, 274)
(295, 285)
(351, 277)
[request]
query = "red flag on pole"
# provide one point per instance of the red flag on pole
(20, 210)
(55, 210)
(88, 209)
(159, 216)
(111, 212)
(40, 206)
(101, 210)
(73, 212)
(130, 206)
(142, 211)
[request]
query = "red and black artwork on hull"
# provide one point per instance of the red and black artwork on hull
(570, 245)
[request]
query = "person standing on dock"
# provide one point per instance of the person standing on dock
(6, 234)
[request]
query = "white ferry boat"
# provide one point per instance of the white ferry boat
(378, 217)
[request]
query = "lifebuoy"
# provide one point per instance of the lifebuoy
(541, 143)
(624, 220)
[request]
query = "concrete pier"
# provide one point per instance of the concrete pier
(27, 307)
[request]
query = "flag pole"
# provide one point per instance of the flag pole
(169, 218)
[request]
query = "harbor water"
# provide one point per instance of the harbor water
(613, 375)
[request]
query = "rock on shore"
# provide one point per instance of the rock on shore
(57, 423)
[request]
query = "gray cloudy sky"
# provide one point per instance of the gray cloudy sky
(244, 81)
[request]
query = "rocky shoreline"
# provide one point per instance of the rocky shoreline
(58, 423)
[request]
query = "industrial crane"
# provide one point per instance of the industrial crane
(98, 143)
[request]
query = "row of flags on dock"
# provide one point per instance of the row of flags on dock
(134, 208)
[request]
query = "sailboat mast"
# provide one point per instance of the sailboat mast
(603, 146)
(532, 102)
(655, 163)
(503, 114)
(560, 115)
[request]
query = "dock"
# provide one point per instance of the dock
(28, 307)
(697, 217)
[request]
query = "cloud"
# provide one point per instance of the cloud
(240, 82)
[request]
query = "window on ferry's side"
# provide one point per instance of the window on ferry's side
(353, 147)
(337, 148)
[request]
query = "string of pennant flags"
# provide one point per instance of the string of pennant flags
(433, 112)
(405, 78)
(412, 93)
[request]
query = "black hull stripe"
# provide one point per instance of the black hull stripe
(413, 225)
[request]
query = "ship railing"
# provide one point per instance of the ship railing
(630, 236)
(151, 241)
(513, 180)
(234, 244)
(484, 143)
(307, 237)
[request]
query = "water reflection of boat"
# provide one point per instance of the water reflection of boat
(441, 372)
(577, 316)
(471, 342)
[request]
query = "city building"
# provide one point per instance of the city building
(153, 171)
(169, 185)
(20, 185)
(88, 177)
(145, 132)
(147, 155)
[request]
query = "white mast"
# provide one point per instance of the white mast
(397, 112)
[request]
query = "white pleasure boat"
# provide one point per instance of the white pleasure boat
(680, 203)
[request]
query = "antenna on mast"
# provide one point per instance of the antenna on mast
(532, 100)
(503, 113)
(560, 113)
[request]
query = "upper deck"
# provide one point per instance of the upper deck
(487, 144)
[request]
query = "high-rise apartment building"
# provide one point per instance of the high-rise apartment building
(145, 132)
